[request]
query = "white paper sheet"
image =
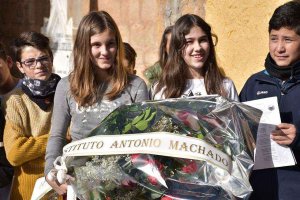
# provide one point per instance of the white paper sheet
(268, 153)
(41, 188)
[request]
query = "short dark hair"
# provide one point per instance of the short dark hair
(31, 38)
(3, 54)
(286, 15)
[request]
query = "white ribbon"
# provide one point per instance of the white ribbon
(59, 172)
(156, 143)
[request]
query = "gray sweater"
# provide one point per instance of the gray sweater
(82, 120)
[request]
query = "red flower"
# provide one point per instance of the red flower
(135, 157)
(141, 159)
(149, 161)
(128, 183)
(166, 198)
(183, 115)
(159, 165)
(188, 119)
(190, 168)
(152, 180)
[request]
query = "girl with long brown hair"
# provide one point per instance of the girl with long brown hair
(98, 84)
(191, 67)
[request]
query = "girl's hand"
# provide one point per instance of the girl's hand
(61, 189)
(284, 134)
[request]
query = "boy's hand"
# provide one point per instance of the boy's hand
(284, 134)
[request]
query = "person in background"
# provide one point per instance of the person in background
(7, 80)
(153, 72)
(98, 84)
(191, 68)
(280, 78)
(130, 57)
(7, 84)
(28, 111)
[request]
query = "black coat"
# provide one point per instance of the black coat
(6, 170)
(280, 183)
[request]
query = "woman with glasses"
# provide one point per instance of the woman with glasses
(28, 111)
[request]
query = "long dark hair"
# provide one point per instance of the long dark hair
(83, 81)
(175, 72)
(163, 55)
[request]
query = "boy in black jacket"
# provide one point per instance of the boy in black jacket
(280, 78)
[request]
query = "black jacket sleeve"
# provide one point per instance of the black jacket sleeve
(6, 170)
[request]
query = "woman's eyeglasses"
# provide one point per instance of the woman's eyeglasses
(32, 62)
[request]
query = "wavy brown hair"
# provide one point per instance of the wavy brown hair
(83, 81)
(175, 72)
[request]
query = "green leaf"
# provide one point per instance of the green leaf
(138, 118)
(127, 128)
(151, 117)
(200, 136)
(155, 195)
(142, 125)
(147, 113)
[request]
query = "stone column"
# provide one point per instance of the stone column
(61, 27)
(58, 27)
(76, 10)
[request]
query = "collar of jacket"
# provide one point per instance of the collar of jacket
(265, 77)
(289, 72)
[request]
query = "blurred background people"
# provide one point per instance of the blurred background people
(153, 72)
(7, 81)
(7, 84)
(130, 57)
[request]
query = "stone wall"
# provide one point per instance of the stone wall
(17, 16)
(242, 29)
(142, 22)
(241, 26)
